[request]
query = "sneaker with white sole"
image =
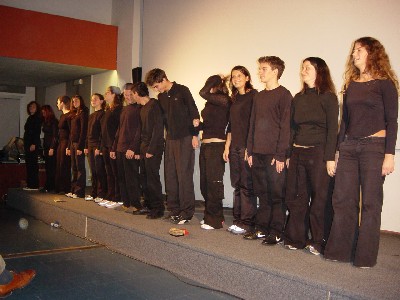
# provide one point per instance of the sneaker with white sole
(114, 205)
(69, 195)
(74, 196)
(103, 203)
(290, 247)
(30, 189)
(312, 250)
(230, 228)
(202, 222)
(88, 198)
(98, 199)
(272, 239)
(238, 230)
(206, 227)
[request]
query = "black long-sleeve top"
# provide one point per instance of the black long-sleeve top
(152, 134)
(109, 126)
(216, 111)
(314, 121)
(179, 111)
(50, 136)
(269, 130)
(93, 139)
(239, 119)
(64, 126)
(79, 125)
(33, 127)
(128, 133)
(369, 107)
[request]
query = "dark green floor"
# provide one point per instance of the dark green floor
(69, 267)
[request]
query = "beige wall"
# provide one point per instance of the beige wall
(192, 40)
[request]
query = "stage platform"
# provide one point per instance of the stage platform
(216, 258)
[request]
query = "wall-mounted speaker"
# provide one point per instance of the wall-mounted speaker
(136, 75)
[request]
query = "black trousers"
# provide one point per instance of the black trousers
(308, 193)
(110, 165)
(151, 183)
(32, 168)
(179, 168)
(244, 201)
(128, 179)
(98, 171)
(50, 166)
(212, 169)
(360, 165)
(269, 187)
(78, 183)
(63, 168)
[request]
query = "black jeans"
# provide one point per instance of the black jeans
(151, 183)
(244, 201)
(32, 167)
(50, 166)
(308, 193)
(269, 187)
(360, 164)
(113, 193)
(212, 169)
(128, 179)
(78, 183)
(98, 171)
(63, 168)
(179, 168)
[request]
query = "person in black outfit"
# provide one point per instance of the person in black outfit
(109, 126)
(63, 161)
(126, 150)
(77, 139)
(367, 142)
(50, 130)
(180, 116)
(267, 144)
(314, 127)
(244, 201)
(31, 145)
(151, 149)
(212, 165)
(93, 150)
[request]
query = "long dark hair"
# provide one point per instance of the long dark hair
(323, 81)
(48, 114)
(82, 106)
(101, 97)
(248, 85)
(118, 97)
(37, 108)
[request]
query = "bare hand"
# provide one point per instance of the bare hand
(86, 151)
(280, 165)
(129, 154)
(112, 155)
(148, 155)
(250, 161)
(32, 148)
(97, 152)
(195, 142)
(68, 152)
(331, 167)
(79, 152)
(225, 155)
(287, 162)
(388, 164)
(196, 122)
(51, 152)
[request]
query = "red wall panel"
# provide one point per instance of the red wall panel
(38, 36)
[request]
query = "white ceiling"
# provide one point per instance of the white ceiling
(20, 72)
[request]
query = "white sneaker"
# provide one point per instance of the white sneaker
(98, 199)
(69, 195)
(29, 189)
(290, 247)
(114, 204)
(238, 230)
(74, 196)
(202, 222)
(232, 227)
(206, 226)
(88, 198)
(312, 250)
(103, 203)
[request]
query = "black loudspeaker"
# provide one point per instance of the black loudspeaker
(136, 75)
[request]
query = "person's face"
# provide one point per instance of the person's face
(59, 107)
(308, 74)
(76, 102)
(32, 108)
(239, 79)
(360, 55)
(95, 101)
(266, 73)
(136, 97)
(109, 96)
(160, 87)
(128, 95)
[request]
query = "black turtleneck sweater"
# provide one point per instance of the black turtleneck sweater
(79, 125)
(94, 129)
(314, 121)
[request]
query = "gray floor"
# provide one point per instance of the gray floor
(69, 267)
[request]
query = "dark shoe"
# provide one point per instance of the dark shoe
(152, 216)
(139, 211)
(272, 239)
(254, 235)
(43, 190)
(179, 220)
(19, 281)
